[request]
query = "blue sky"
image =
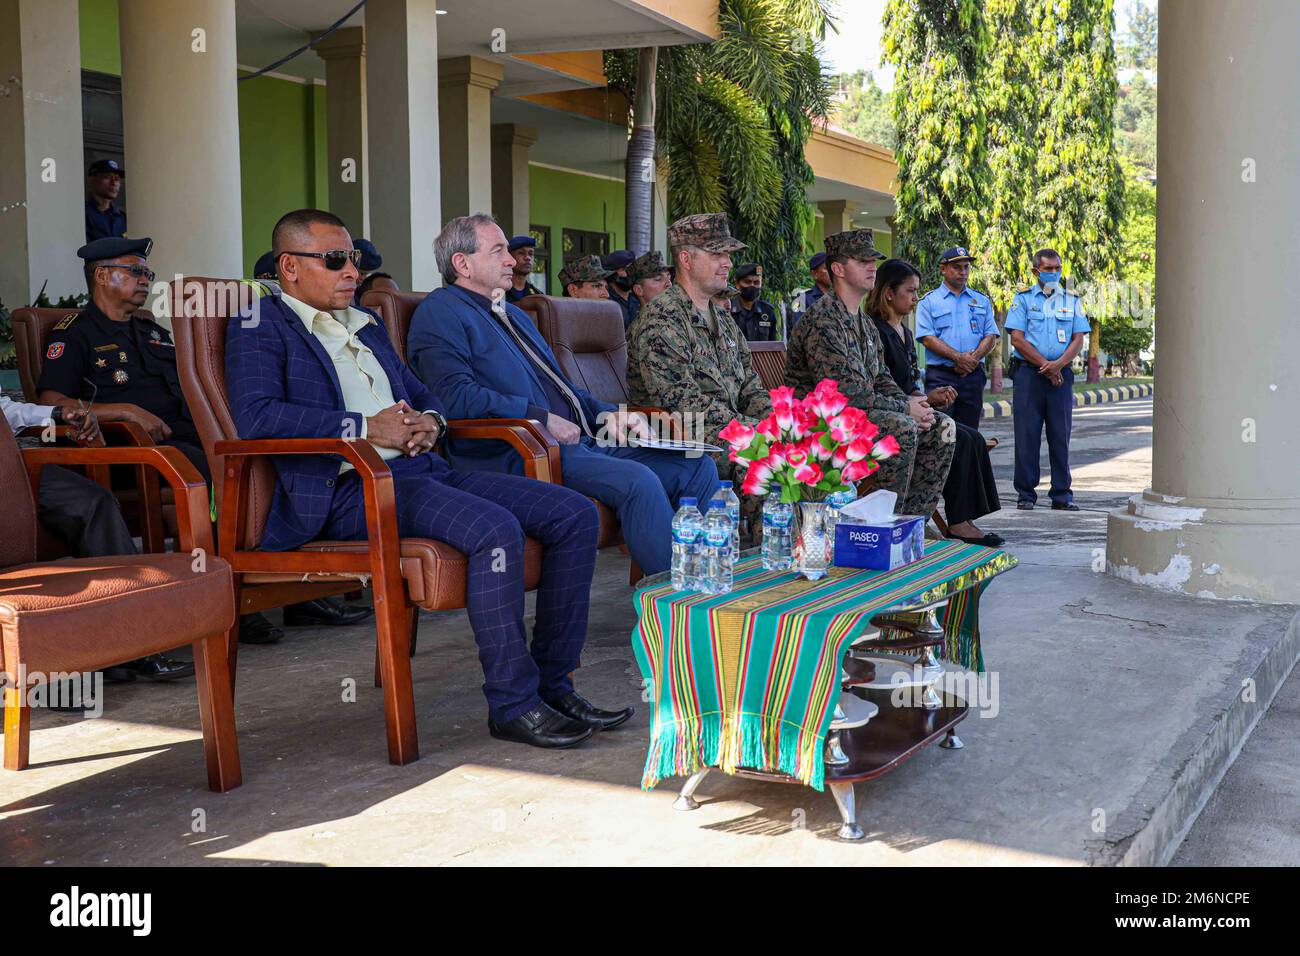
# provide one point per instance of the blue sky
(857, 45)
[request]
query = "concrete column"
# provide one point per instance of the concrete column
(344, 53)
(838, 213)
(465, 85)
(510, 145)
(1222, 516)
(180, 109)
(42, 178)
(402, 94)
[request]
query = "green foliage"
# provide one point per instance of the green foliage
(864, 109)
(1125, 340)
(1135, 125)
(733, 118)
(1138, 48)
(65, 302)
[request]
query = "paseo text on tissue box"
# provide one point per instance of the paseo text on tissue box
(880, 547)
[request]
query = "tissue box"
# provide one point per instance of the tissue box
(880, 547)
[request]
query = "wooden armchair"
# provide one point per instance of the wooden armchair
(406, 573)
(83, 615)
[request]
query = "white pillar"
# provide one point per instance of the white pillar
(42, 177)
(344, 53)
(465, 85)
(1222, 516)
(402, 97)
(180, 118)
(510, 145)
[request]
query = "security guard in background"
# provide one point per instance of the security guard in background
(124, 364)
(1047, 325)
(620, 283)
(523, 249)
(265, 267)
(104, 219)
(821, 285)
(755, 318)
(956, 325)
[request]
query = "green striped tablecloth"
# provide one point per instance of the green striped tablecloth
(748, 679)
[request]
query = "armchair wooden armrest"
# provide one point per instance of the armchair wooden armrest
(188, 487)
(527, 436)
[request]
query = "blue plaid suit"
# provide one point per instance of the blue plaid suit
(282, 384)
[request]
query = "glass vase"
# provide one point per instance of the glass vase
(812, 543)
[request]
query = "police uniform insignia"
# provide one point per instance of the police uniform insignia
(121, 356)
(64, 322)
(54, 351)
(120, 376)
(153, 334)
(100, 363)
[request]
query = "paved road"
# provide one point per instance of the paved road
(1253, 818)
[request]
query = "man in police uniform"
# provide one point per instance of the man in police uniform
(620, 283)
(955, 324)
(755, 318)
(650, 276)
(103, 217)
(265, 267)
(523, 248)
(584, 278)
(121, 359)
(821, 285)
(1047, 325)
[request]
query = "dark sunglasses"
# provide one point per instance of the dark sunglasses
(136, 271)
(335, 258)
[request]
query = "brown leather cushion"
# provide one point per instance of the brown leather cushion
(94, 612)
(395, 310)
(435, 573)
(31, 331)
(587, 338)
(768, 359)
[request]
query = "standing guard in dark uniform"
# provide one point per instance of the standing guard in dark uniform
(104, 219)
(523, 248)
(126, 363)
(755, 318)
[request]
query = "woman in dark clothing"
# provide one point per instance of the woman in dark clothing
(970, 491)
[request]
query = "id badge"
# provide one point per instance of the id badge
(974, 325)
(1060, 335)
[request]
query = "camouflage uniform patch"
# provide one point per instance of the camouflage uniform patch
(830, 342)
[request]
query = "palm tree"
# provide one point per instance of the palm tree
(731, 123)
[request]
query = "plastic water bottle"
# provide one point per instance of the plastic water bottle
(778, 516)
(717, 550)
(837, 500)
(726, 494)
(688, 534)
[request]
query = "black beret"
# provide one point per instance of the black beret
(518, 242)
(112, 247)
(747, 270)
(106, 166)
(618, 259)
(370, 257)
(266, 266)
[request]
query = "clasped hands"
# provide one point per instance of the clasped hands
(966, 362)
(1052, 370)
(620, 422)
(402, 427)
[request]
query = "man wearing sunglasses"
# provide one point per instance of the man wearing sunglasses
(117, 355)
(312, 366)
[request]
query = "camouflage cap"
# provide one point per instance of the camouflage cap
(706, 230)
(730, 292)
(585, 269)
(853, 244)
(650, 264)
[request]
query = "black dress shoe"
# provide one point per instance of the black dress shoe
(579, 708)
(1071, 506)
(1024, 506)
(989, 540)
(258, 629)
(155, 667)
(542, 727)
(323, 611)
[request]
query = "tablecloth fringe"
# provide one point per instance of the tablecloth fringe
(751, 741)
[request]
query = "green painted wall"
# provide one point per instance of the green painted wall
(100, 46)
(563, 200)
(281, 155)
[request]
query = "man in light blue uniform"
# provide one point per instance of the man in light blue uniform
(1047, 326)
(955, 324)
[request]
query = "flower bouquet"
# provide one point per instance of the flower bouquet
(805, 451)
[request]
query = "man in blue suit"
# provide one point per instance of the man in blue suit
(308, 365)
(483, 357)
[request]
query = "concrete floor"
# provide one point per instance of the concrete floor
(1110, 702)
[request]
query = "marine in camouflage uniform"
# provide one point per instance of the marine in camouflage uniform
(830, 342)
(675, 359)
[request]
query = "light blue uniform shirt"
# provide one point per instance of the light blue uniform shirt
(1048, 321)
(958, 319)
